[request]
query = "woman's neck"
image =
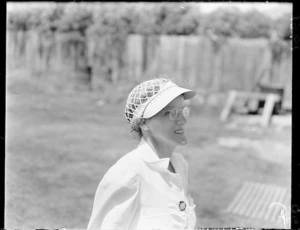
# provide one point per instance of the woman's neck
(162, 150)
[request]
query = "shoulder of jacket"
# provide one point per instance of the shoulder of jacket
(131, 159)
(127, 166)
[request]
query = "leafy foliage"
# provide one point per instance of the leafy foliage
(176, 19)
(40, 18)
(233, 22)
(18, 20)
(147, 19)
(222, 21)
(254, 24)
(75, 18)
(48, 18)
(283, 27)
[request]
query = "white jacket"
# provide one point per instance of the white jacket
(139, 192)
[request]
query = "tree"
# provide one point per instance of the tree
(253, 24)
(222, 21)
(283, 26)
(176, 19)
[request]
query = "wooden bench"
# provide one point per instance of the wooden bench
(269, 98)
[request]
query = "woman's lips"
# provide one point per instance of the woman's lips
(179, 131)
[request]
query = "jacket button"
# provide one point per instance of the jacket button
(182, 205)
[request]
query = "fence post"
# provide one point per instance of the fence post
(268, 109)
(228, 106)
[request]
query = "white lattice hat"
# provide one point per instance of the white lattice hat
(150, 97)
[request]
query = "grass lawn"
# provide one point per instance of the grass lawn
(58, 147)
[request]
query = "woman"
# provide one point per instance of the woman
(148, 187)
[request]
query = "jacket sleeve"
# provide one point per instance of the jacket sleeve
(116, 200)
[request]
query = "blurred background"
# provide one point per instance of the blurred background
(70, 67)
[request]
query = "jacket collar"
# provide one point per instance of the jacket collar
(156, 163)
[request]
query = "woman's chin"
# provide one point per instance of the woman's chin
(181, 140)
(184, 142)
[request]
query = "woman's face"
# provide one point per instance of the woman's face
(165, 131)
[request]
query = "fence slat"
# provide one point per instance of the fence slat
(194, 60)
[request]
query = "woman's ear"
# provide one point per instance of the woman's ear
(145, 126)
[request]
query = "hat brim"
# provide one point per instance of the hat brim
(164, 98)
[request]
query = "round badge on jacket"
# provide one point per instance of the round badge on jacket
(182, 205)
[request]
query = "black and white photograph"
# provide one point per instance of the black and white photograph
(148, 115)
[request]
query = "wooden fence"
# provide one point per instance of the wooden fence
(211, 63)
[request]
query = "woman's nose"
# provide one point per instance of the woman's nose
(181, 119)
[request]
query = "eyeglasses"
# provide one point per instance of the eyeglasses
(174, 113)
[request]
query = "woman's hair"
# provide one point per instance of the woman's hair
(136, 130)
